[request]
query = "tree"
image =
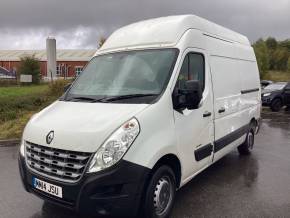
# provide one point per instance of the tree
(101, 41)
(262, 56)
(30, 65)
(280, 58)
(288, 65)
(285, 44)
(271, 43)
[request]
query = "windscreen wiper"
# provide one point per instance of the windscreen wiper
(89, 99)
(121, 97)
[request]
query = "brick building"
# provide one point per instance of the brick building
(69, 62)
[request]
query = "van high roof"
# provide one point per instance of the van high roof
(166, 31)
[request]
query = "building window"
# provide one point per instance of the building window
(78, 70)
(58, 70)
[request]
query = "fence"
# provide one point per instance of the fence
(7, 80)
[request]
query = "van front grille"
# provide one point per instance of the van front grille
(57, 164)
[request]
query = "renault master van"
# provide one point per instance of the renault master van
(161, 101)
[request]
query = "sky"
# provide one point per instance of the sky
(25, 24)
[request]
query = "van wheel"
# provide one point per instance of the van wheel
(247, 146)
(276, 105)
(160, 193)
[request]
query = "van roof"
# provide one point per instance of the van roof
(166, 31)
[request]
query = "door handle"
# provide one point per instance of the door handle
(206, 114)
(222, 110)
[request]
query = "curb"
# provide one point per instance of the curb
(9, 142)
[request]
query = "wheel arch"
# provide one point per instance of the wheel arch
(173, 162)
(279, 97)
(255, 122)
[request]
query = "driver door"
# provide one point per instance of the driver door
(194, 128)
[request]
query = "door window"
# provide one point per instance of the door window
(193, 68)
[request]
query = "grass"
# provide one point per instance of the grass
(13, 128)
(19, 103)
(277, 76)
(18, 91)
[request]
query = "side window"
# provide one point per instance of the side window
(193, 68)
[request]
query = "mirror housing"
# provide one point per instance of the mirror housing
(189, 97)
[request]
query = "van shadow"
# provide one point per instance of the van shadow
(231, 173)
(216, 186)
(50, 210)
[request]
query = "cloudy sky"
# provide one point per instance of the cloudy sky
(25, 24)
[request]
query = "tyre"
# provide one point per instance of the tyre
(247, 146)
(160, 193)
(276, 105)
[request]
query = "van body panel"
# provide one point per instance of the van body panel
(166, 31)
(72, 122)
(236, 89)
(157, 140)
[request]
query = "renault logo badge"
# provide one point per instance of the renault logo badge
(49, 137)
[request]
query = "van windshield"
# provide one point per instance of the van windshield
(130, 76)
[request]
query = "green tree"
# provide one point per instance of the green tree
(262, 56)
(288, 65)
(285, 44)
(280, 58)
(271, 43)
(30, 65)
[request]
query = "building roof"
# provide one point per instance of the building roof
(62, 54)
(167, 31)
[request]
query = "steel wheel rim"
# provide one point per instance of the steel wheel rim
(250, 140)
(163, 195)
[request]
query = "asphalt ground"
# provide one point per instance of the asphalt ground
(257, 185)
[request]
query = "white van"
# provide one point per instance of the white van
(161, 101)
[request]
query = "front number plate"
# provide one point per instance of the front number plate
(47, 187)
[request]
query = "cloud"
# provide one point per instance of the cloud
(79, 23)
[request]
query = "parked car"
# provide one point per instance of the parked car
(265, 83)
(276, 95)
(3, 72)
(161, 101)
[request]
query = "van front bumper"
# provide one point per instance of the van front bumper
(116, 191)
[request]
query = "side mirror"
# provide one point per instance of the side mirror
(189, 97)
(66, 87)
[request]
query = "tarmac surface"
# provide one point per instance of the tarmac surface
(257, 185)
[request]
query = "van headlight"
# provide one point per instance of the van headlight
(115, 146)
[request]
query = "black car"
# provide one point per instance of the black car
(276, 95)
(265, 83)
